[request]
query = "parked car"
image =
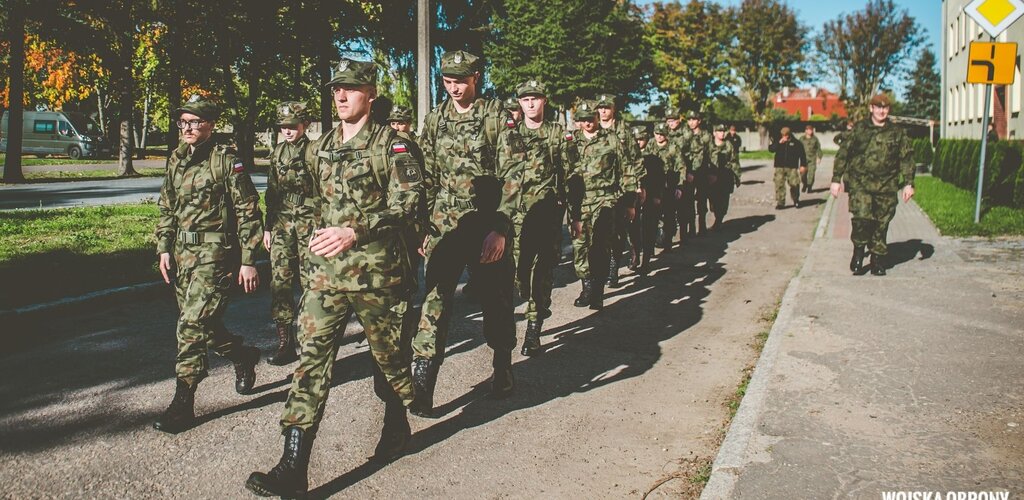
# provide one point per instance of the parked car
(59, 133)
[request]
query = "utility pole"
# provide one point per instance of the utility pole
(423, 94)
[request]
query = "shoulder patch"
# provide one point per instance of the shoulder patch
(569, 137)
(399, 147)
(238, 167)
(510, 123)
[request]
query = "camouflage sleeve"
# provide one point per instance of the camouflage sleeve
(312, 164)
(167, 224)
(430, 180)
(842, 159)
(817, 147)
(574, 187)
(509, 172)
(734, 165)
(803, 154)
(673, 169)
(272, 197)
(907, 168)
(404, 188)
(245, 201)
(638, 160)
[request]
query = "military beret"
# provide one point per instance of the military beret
(605, 101)
(531, 87)
(586, 110)
(400, 114)
(292, 113)
(459, 63)
(671, 112)
(721, 127)
(881, 100)
(640, 133)
(200, 107)
(511, 104)
(661, 129)
(353, 73)
(693, 114)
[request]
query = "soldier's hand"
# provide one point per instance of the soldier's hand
(165, 266)
(331, 241)
(679, 193)
(908, 193)
(576, 229)
(836, 188)
(267, 238)
(642, 195)
(493, 249)
(631, 214)
(248, 278)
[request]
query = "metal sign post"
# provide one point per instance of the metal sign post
(989, 63)
(984, 143)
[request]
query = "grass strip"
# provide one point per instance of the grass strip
(951, 209)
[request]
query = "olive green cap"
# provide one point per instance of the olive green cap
(459, 63)
(353, 73)
(721, 126)
(400, 114)
(640, 133)
(511, 104)
(531, 87)
(661, 129)
(585, 110)
(292, 113)
(606, 100)
(200, 107)
(693, 114)
(672, 112)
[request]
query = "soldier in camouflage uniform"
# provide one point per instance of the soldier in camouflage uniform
(677, 212)
(291, 211)
(841, 136)
(812, 150)
(627, 224)
(734, 138)
(674, 176)
(400, 119)
(874, 161)
(530, 162)
(654, 184)
(723, 174)
(598, 175)
(369, 181)
(513, 108)
(698, 156)
(790, 161)
(465, 227)
(209, 227)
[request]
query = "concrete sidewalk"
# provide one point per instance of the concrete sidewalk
(907, 382)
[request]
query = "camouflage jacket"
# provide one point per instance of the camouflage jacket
(699, 150)
(681, 138)
(372, 183)
(290, 192)
(724, 160)
(675, 169)
(874, 159)
(208, 191)
(597, 175)
(457, 149)
(631, 150)
(812, 148)
(531, 164)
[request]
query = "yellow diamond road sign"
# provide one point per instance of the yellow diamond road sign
(994, 16)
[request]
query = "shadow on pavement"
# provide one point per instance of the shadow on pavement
(904, 251)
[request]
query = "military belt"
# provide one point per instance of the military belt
(195, 238)
(339, 156)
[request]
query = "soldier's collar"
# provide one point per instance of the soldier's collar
(358, 141)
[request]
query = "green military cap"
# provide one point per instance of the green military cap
(672, 112)
(531, 87)
(353, 73)
(693, 114)
(459, 63)
(586, 110)
(606, 101)
(200, 107)
(640, 133)
(881, 100)
(721, 127)
(400, 114)
(661, 129)
(292, 113)
(511, 104)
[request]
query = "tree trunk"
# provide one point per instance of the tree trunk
(126, 84)
(176, 8)
(16, 75)
(99, 109)
(141, 153)
(762, 133)
(326, 100)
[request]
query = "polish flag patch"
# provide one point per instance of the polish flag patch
(510, 123)
(238, 167)
(569, 137)
(399, 147)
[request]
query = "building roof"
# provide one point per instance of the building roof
(809, 101)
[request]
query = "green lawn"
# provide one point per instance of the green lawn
(68, 175)
(30, 160)
(768, 155)
(951, 209)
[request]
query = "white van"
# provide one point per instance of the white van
(58, 133)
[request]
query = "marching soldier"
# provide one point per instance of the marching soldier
(734, 138)
(724, 174)
(875, 159)
(698, 154)
(677, 209)
(654, 184)
(369, 181)
(530, 161)
(459, 140)
(209, 227)
(291, 211)
(674, 167)
(812, 150)
(789, 162)
(626, 225)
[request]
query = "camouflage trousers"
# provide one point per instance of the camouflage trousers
(872, 213)
(591, 250)
(783, 178)
(446, 259)
(289, 251)
(719, 194)
(649, 216)
(323, 315)
(677, 215)
(537, 254)
(201, 288)
(627, 233)
(808, 177)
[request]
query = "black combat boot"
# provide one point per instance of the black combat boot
(795, 194)
(613, 273)
(584, 297)
(503, 382)
(597, 297)
(424, 378)
(702, 225)
(531, 342)
(857, 262)
(285, 346)
(634, 260)
(876, 265)
(289, 478)
(394, 435)
(645, 265)
(245, 368)
(180, 415)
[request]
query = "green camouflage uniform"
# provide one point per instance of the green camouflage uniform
(698, 157)
(874, 162)
(678, 213)
(789, 157)
(812, 150)
(291, 213)
(724, 165)
(371, 183)
(530, 162)
(209, 217)
(624, 230)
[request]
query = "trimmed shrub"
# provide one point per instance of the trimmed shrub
(956, 162)
(922, 152)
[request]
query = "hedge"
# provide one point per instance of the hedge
(956, 162)
(922, 151)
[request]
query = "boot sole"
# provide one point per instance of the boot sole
(172, 429)
(282, 362)
(254, 484)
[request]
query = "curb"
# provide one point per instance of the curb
(730, 461)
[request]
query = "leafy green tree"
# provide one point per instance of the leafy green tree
(923, 94)
(692, 46)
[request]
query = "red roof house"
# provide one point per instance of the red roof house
(807, 102)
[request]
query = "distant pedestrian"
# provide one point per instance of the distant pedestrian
(734, 138)
(789, 162)
(812, 150)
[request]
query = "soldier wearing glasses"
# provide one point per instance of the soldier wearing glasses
(209, 230)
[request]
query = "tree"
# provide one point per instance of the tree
(15, 38)
(692, 45)
(922, 99)
(864, 49)
(769, 54)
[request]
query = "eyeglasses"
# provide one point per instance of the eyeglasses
(193, 124)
